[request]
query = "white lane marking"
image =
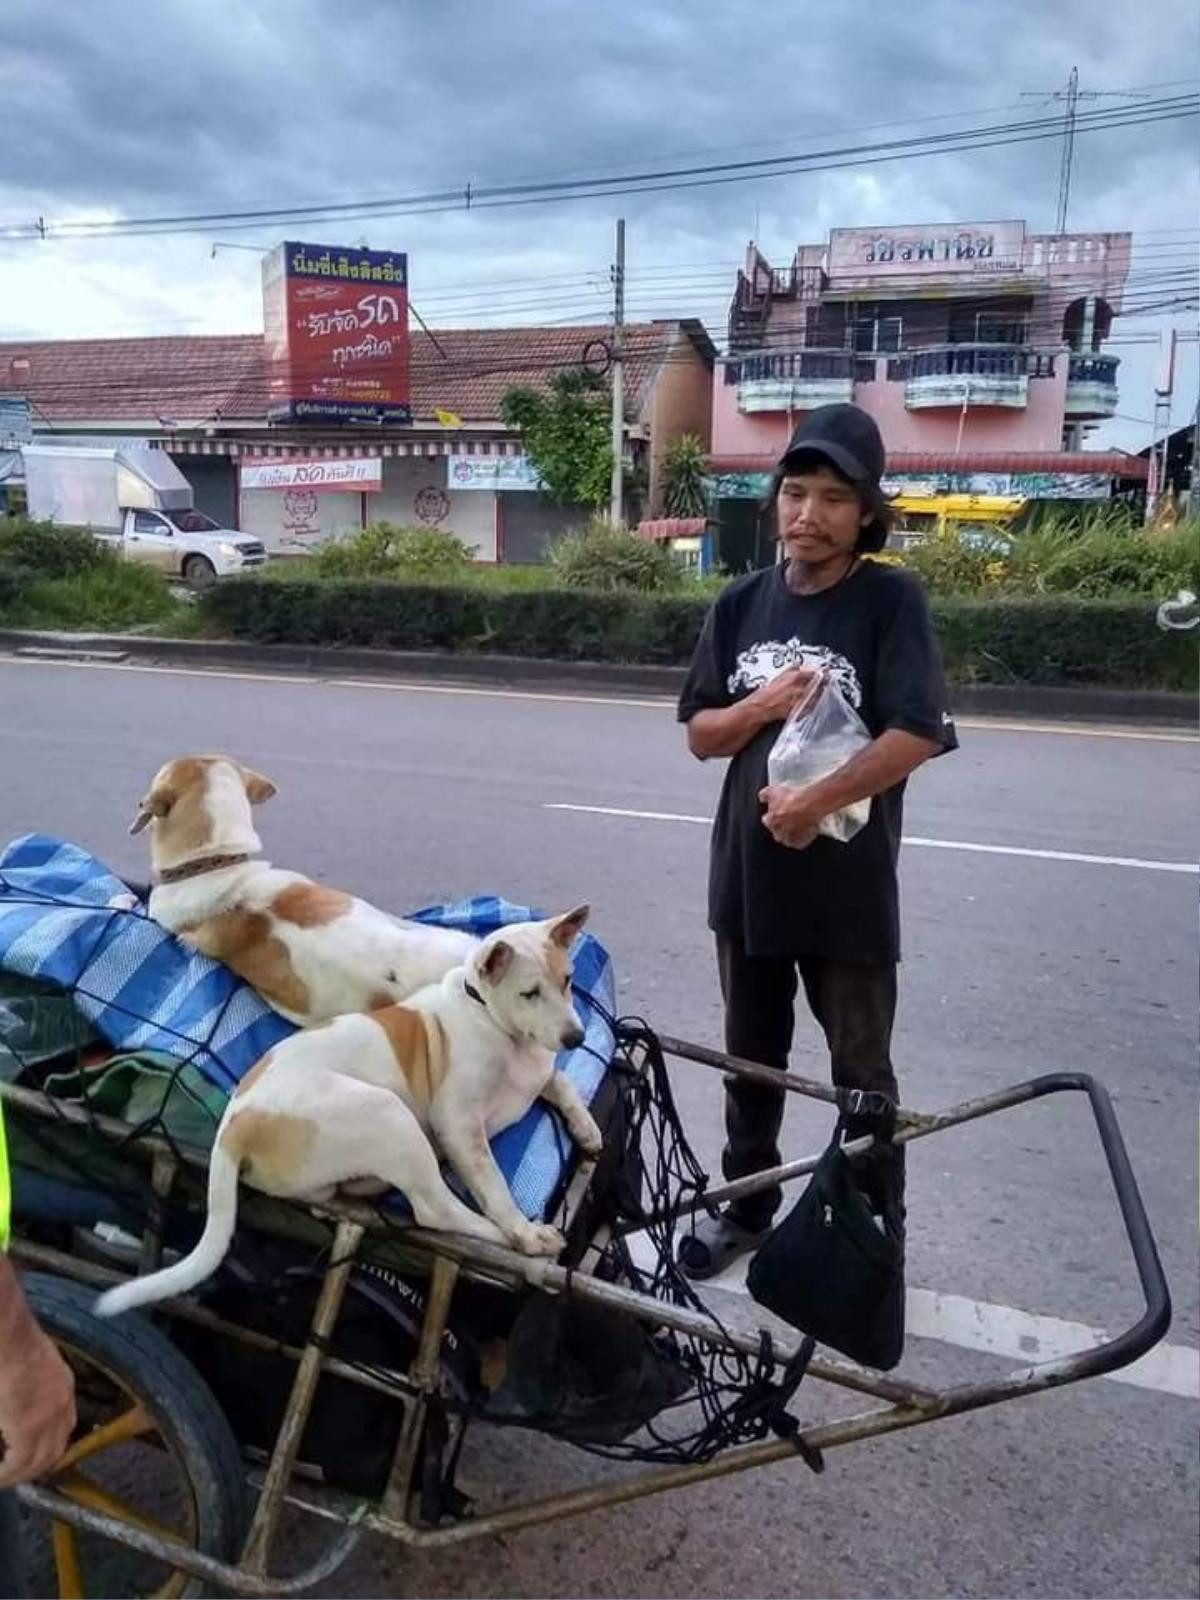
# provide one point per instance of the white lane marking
(1056, 855)
(1005, 1331)
(999, 1330)
(1076, 730)
(620, 811)
(174, 672)
(398, 686)
(642, 702)
(910, 839)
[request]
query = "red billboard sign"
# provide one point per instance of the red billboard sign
(336, 324)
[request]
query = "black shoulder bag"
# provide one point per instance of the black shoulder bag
(832, 1268)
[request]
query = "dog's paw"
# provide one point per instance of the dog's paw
(586, 1134)
(537, 1239)
(123, 902)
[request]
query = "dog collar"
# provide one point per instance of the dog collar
(195, 869)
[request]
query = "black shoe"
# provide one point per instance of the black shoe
(714, 1243)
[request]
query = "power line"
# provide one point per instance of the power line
(709, 293)
(665, 179)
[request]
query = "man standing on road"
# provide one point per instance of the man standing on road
(37, 1398)
(784, 902)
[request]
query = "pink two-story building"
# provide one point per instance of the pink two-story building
(977, 347)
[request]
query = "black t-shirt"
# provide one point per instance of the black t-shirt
(873, 633)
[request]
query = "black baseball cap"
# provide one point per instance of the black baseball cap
(846, 436)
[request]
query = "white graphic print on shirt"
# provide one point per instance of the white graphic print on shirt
(762, 662)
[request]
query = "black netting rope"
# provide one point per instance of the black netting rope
(740, 1398)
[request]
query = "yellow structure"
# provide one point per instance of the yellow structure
(919, 516)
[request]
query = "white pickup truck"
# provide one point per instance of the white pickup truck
(136, 498)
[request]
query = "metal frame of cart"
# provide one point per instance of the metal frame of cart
(881, 1404)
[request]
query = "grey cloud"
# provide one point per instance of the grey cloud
(143, 104)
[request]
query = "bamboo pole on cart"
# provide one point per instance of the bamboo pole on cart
(424, 1372)
(346, 1240)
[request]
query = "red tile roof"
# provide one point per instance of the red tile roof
(1114, 463)
(182, 381)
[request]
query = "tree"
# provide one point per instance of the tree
(684, 468)
(567, 435)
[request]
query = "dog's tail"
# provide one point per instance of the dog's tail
(203, 1260)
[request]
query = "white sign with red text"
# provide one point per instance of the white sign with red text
(362, 473)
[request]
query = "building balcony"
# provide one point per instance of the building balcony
(957, 375)
(1091, 387)
(796, 380)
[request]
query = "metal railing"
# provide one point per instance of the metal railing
(972, 361)
(1093, 369)
(820, 365)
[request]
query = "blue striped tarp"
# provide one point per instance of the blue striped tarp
(142, 989)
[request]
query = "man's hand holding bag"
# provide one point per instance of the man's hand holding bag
(822, 732)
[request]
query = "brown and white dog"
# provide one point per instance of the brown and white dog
(370, 1096)
(312, 952)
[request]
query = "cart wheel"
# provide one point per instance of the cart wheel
(152, 1448)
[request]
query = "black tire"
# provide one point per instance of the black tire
(188, 1419)
(199, 572)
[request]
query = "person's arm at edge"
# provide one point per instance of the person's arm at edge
(37, 1389)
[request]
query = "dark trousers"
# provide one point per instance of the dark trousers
(855, 1004)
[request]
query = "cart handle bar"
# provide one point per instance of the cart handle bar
(1114, 1353)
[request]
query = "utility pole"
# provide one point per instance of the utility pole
(1068, 156)
(1073, 94)
(617, 492)
(1164, 389)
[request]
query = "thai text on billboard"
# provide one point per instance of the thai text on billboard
(362, 474)
(968, 247)
(336, 326)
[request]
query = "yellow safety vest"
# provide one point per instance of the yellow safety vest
(5, 1186)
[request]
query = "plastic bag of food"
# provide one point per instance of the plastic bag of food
(820, 735)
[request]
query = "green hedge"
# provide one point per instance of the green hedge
(567, 624)
(1057, 639)
(1043, 640)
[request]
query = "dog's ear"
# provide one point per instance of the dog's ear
(154, 805)
(258, 789)
(496, 961)
(566, 929)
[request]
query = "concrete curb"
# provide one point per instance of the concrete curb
(1149, 706)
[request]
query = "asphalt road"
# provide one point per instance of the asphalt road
(1075, 951)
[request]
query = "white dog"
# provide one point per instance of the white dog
(363, 1096)
(312, 952)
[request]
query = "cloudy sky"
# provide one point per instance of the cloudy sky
(150, 108)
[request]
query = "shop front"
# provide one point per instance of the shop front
(423, 492)
(296, 503)
(293, 504)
